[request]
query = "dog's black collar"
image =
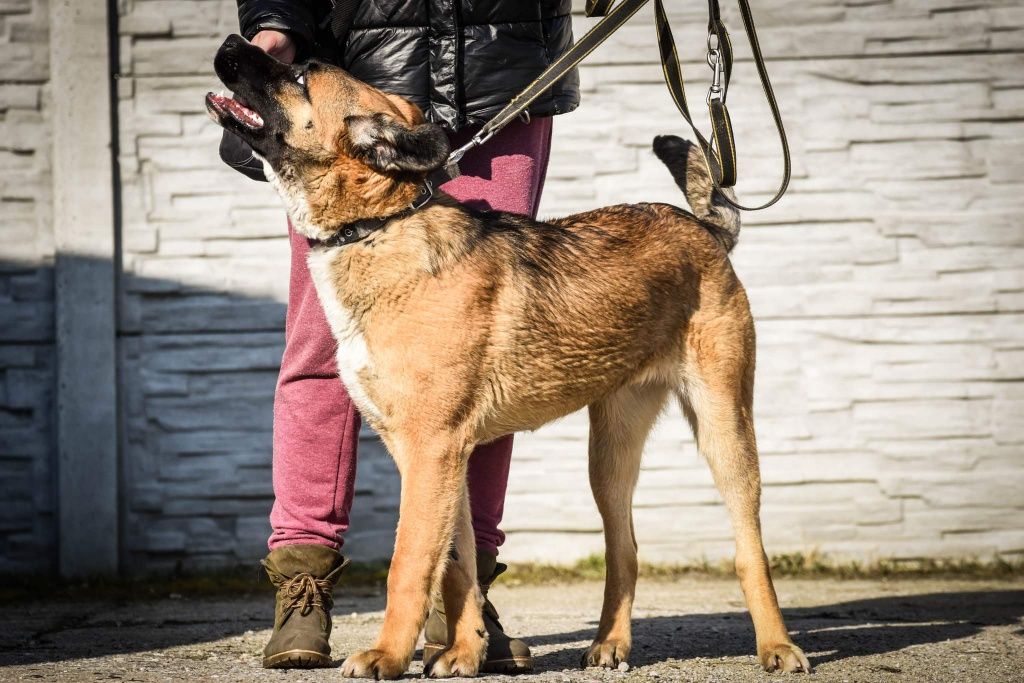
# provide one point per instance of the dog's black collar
(355, 231)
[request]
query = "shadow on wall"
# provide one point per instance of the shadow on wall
(828, 633)
(196, 375)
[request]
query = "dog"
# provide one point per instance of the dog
(455, 327)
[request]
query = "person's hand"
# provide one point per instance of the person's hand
(276, 44)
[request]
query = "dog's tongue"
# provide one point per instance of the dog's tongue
(238, 111)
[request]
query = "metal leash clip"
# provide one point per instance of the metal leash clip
(451, 166)
(717, 91)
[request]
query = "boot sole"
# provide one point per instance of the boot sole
(509, 665)
(297, 659)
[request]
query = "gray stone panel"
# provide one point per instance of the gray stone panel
(27, 515)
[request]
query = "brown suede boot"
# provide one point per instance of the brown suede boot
(504, 654)
(304, 576)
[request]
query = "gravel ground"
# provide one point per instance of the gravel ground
(689, 630)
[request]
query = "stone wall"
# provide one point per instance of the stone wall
(205, 256)
(200, 322)
(887, 285)
(887, 288)
(27, 513)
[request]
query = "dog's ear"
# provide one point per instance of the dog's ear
(389, 145)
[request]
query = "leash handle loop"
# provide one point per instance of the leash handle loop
(720, 156)
(720, 152)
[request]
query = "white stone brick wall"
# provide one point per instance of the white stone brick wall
(888, 288)
(26, 292)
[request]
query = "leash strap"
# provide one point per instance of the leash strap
(600, 32)
(720, 152)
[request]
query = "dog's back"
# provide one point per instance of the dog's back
(625, 283)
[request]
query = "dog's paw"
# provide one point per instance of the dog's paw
(376, 664)
(607, 653)
(458, 660)
(785, 657)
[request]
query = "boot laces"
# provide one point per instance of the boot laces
(306, 593)
(489, 608)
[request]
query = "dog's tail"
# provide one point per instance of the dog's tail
(686, 163)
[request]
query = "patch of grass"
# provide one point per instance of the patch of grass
(366, 577)
(592, 568)
(794, 565)
(370, 578)
(34, 587)
(814, 565)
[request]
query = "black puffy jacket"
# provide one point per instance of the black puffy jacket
(461, 61)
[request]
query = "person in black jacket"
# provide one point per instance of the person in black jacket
(460, 61)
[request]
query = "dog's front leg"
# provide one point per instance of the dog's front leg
(463, 605)
(433, 473)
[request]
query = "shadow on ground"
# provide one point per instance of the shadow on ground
(45, 633)
(847, 629)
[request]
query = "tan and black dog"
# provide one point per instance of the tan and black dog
(455, 327)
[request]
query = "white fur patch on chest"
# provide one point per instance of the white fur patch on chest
(353, 355)
(294, 199)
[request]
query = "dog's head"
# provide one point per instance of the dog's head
(337, 149)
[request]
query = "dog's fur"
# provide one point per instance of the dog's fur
(455, 327)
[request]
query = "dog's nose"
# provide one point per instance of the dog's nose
(226, 61)
(233, 41)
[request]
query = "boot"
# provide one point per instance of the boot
(504, 654)
(304, 576)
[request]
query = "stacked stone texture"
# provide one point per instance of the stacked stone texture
(888, 288)
(26, 292)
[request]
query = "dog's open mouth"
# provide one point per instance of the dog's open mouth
(225, 106)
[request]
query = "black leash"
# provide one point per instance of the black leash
(720, 152)
(600, 32)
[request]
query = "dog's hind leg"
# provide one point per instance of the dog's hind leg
(618, 429)
(463, 605)
(718, 401)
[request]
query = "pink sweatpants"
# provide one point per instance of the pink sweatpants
(316, 426)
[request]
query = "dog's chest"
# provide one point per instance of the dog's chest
(354, 360)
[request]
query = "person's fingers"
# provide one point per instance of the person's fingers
(286, 54)
(267, 40)
(277, 44)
